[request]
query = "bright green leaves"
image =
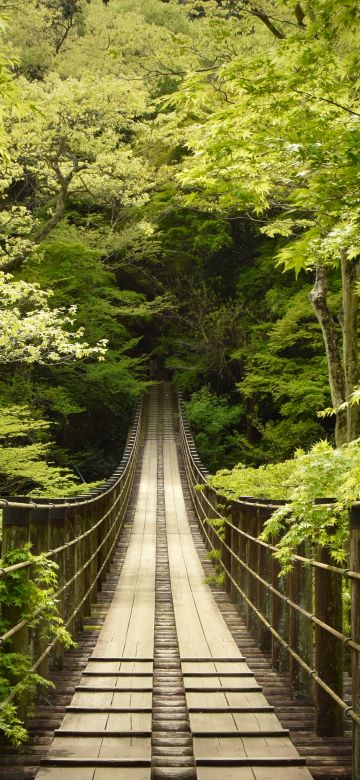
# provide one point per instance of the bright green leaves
(34, 599)
(280, 132)
(214, 422)
(32, 332)
(322, 472)
(24, 455)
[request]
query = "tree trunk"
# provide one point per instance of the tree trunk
(55, 219)
(350, 273)
(318, 298)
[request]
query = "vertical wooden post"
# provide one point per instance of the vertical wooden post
(263, 595)
(300, 628)
(328, 649)
(106, 502)
(56, 539)
(355, 630)
(98, 512)
(227, 557)
(78, 552)
(93, 545)
(252, 561)
(87, 556)
(243, 576)
(275, 614)
(294, 629)
(16, 523)
(39, 537)
(235, 537)
(69, 595)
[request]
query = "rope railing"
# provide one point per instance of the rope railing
(297, 618)
(80, 535)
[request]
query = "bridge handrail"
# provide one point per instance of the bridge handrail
(82, 534)
(283, 612)
(82, 501)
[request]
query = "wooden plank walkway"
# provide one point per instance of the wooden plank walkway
(107, 730)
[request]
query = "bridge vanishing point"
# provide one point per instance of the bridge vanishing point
(167, 691)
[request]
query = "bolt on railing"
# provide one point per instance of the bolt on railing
(80, 534)
(297, 618)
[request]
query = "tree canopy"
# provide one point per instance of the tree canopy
(179, 179)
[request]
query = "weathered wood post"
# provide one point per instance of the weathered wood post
(79, 560)
(93, 546)
(40, 538)
(16, 525)
(87, 556)
(57, 539)
(69, 596)
(252, 562)
(328, 648)
(234, 543)
(301, 628)
(107, 508)
(355, 630)
(243, 576)
(205, 493)
(100, 508)
(225, 554)
(275, 612)
(263, 595)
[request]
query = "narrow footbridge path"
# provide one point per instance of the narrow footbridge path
(166, 692)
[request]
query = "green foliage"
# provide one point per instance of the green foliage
(214, 555)
(33, 599)
(32, 332)
(24, 456)
(34, 596)
(322, 472)
(11, 725)
(213, 422)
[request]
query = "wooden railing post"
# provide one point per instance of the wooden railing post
(208, 527)
(57, 539)
(79, 560)
(93, 564)
(328, 648)
(300, 628)
(225, 554)
(40, 543)
(100, 508)
(252, 562)
(16, 526)
(279, 616)
(69, 596)
(108, 499)
(355, 630)
(87, 570)
(263, 595)
(234, 543)
(242, 555)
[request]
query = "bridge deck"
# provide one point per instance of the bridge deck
(163, 700)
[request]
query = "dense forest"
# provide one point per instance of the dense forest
(179, 181)
(179, 187)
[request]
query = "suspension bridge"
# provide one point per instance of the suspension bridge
(176, 678)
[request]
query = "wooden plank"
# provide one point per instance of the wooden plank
(121, 774)
(281, 773)
(226, 773)
(247, 701)
(66, 773)
(258, 761)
